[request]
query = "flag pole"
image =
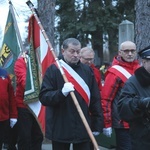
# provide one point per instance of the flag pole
(16, 25)
(31, 6)
(17, 31)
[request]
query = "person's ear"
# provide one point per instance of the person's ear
(119, 53)
(62, 51)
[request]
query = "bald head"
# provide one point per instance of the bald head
(127, 45)
(128, 51)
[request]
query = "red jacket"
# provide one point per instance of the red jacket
(20, 72)
(111, 91)
(8, 107)
(97, 76)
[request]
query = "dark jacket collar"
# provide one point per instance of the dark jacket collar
(72, 65)
(143, 76)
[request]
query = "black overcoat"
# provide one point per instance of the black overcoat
(135, 89)
(63, 121)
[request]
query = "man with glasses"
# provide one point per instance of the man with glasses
(87, 57)
(123, 66)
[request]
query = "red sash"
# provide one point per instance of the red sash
(121, 72)
(77, 81)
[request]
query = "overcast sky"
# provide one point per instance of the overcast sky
(21, 10)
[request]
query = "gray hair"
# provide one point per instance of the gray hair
(87, 49)
(68, 41)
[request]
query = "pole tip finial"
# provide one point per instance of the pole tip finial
(29, 3)
(9, 1)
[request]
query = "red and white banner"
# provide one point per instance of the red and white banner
(44, 59)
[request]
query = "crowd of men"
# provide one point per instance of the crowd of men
(122, 103)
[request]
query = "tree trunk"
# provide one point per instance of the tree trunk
(46, 11)
(142, 28)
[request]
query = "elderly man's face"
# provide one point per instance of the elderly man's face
(128, 52)
(87, 58)
(72, 53)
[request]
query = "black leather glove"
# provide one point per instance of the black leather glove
(144, 103)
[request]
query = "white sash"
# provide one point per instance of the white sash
(78, 79)
(122, 70)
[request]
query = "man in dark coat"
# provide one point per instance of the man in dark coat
(66, 124)
(134, 103)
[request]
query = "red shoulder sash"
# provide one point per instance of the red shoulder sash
(121, 72)
(77, 81)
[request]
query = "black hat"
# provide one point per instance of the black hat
(145, 53)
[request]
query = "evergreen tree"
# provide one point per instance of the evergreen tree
(91, 21)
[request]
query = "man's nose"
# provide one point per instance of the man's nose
(130, 53)
(76, 54)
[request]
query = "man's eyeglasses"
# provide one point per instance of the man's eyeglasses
(88, 59)
(127, 51)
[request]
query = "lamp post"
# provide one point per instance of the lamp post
(126, 31)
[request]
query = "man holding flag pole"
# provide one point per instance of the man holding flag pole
(92, 108)
(66, 124)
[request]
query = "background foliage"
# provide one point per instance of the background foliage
(91, 21)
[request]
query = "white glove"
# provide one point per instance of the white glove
(96, 133)
(107, 131)
(12, 122)
(68, 87)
